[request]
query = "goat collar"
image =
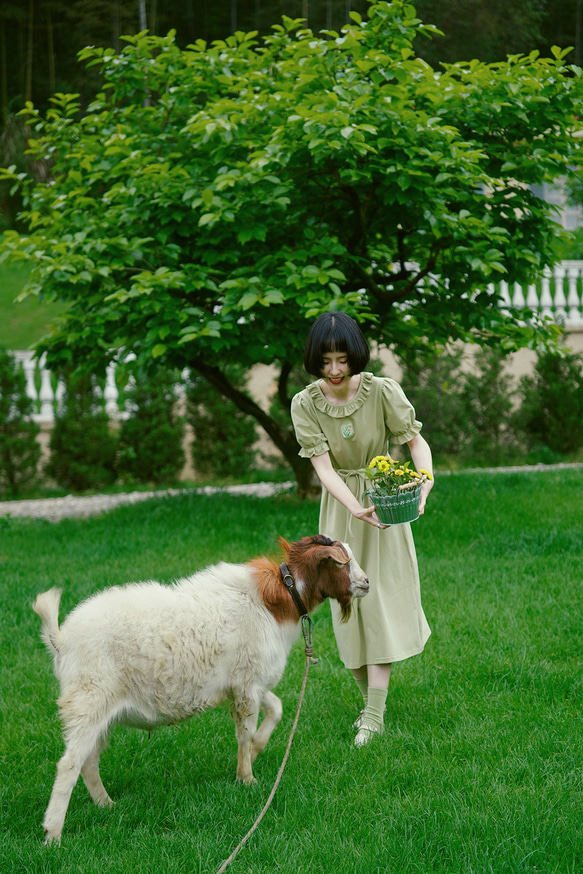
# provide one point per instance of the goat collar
(290, 583)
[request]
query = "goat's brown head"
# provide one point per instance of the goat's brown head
(325, 568)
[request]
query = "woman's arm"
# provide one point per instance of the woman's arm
(336, 486)
(421, 455)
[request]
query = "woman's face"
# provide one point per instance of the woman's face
(336, 369)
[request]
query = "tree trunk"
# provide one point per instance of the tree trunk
(283, 439)
(115, 25)
(29, 52)
(51, 52)
(3, 75)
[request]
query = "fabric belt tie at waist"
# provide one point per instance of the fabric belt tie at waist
(348, 474)
(356, 481)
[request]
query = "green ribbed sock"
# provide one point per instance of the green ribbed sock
(362, 683)
(375, 707)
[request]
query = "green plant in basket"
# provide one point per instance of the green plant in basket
(395, 489)
(388, 476)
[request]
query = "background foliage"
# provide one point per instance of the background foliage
(19, 449)
(224, 437)
(476, 413)
(45, 36)
(211, 201)
(149, 446)
(82, 447)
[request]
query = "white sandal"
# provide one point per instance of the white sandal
(366, 734)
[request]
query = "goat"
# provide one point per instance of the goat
(146, 654)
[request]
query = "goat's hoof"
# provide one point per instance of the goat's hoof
(248, 780)
(51, 840)
(106, 802)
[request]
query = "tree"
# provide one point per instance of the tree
(212, 201)
(44, 36)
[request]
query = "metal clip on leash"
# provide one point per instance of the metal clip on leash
(308, 639)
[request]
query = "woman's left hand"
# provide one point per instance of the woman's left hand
(425, 489)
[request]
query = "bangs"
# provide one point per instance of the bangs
(335, 332)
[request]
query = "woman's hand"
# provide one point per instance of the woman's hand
(421, 455)
(368, 514)
(339, 490)
(425, 489)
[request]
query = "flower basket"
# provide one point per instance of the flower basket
(395, 489)
(403, 506)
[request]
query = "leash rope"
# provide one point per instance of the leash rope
(309, 661)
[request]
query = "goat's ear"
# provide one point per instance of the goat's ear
(337, 554)
(284, 545)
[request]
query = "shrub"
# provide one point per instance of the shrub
(223, 436)
(150, 440)
(82, 448)
(19, 449)
(487, 402)
(434, 389)
(551, 411)
(466, 413)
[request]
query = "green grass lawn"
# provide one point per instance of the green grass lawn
(22, 324)
(480, 767)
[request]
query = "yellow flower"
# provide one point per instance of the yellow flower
(425, 473)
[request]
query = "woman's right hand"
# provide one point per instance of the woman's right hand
(339, 490)
(369, 514)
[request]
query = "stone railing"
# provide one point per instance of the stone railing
(558, 294)
(47, 392)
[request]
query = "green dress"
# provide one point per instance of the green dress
(388, 624)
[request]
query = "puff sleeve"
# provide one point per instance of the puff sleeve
(399, 413)
(306, 426)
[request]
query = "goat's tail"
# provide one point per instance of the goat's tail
(47, 607)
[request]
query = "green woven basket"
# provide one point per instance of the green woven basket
(398, 508)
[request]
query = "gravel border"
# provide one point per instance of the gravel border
(55, 509)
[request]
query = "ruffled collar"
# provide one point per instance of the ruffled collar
(337, 411)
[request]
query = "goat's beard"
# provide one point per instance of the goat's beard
(345, 610)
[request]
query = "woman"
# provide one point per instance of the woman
(342, 421)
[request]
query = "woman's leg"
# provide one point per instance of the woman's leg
(379, 676)
(371, 720)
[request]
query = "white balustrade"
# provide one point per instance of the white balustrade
(558, 293)
(47, 393)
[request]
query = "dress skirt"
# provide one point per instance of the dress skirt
(388, 624)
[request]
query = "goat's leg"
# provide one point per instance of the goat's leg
(92, 777)
(272, 711)
(80, 745)
(245, 713)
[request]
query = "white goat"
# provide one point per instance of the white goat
(147, 654)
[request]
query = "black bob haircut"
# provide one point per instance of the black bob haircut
(335, 332)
